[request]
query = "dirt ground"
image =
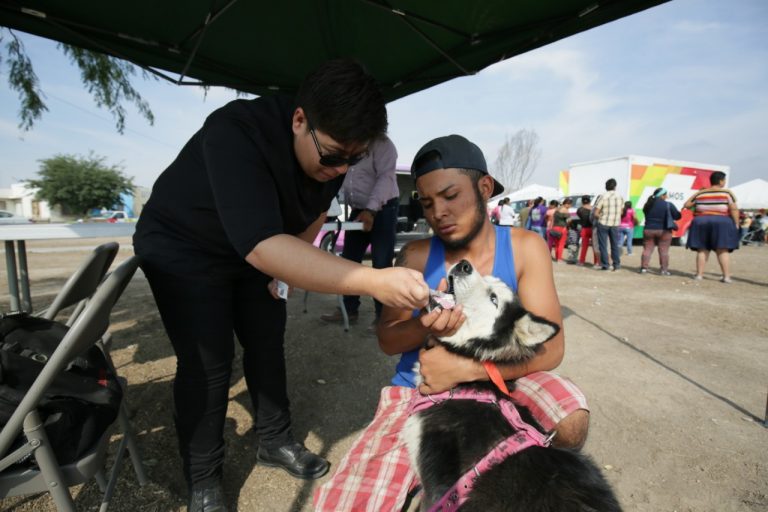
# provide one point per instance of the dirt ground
(675, 371)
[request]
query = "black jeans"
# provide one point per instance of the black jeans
(200, 315)
(382, 240)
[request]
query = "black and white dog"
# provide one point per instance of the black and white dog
(447, 440)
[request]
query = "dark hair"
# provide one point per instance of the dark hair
(586, 199)
(554, 203)
(341, 99)
(474, 177)
(716, 177)
(610, 184)
(627, 206)
(537, 201)
(567, 200)
(651, 200)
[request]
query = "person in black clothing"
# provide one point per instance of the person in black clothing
(658, 231)
(584, 213)
(237, 210)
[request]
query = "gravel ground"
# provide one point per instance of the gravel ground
(675, 371)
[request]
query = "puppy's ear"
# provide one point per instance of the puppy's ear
(531, 330)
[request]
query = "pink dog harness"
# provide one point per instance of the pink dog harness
(524, 437)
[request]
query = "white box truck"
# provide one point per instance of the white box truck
(636, 178)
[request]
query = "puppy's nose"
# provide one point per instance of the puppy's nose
(464, 267)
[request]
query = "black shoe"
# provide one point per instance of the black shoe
(295, 459)
(207, 497)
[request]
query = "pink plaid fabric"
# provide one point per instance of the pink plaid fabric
(376, 475)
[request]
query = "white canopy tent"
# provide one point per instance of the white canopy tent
(752, 195)
(530, 192)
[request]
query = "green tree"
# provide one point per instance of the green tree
(105, 77)
(78, 184)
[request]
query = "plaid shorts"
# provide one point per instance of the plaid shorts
(376, 475)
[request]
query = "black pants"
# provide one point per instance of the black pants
(200, 315)
(381, 237)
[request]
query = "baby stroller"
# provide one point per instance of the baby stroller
(754, 236)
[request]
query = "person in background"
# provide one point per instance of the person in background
(507, 213)
(608, 210)
(237, 210)
(560, 218)
(550, 215)
(657, 231)
(745, 220)
(538, 217)
(715, 225)
(584, 213)
(524, 214)
(370, 189)
(627, 226)
(763, 221)
(572, 243)
(496, 212)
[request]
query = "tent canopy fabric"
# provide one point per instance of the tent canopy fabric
(751, 195)
(262, 47)
(531, 192)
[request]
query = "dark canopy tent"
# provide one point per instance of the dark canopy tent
(266, 46)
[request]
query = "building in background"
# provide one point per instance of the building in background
(19, 199)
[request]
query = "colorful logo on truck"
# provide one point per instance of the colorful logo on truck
(680, 182)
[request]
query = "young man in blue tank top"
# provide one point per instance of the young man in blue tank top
(454, 186)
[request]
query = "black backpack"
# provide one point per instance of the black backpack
(81, 402)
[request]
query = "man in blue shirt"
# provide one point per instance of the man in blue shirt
(454, 186)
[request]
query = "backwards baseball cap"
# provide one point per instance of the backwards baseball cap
(451, 151)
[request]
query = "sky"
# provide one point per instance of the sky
(687, 80)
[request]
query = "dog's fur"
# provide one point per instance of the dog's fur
(447, 439)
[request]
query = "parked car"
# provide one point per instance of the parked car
(324, 239)
(113, 217)
(12, 218)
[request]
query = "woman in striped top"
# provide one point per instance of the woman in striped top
(714, 226)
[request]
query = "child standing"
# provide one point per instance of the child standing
(572, 242)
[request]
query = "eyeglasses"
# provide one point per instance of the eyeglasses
(334, 160)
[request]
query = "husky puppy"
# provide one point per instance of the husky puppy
(447, 439)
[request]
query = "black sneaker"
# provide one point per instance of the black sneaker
(295, 459)
(208, 497)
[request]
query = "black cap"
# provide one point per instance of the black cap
(451, 151)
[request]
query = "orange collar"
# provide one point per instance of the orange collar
(495, 375)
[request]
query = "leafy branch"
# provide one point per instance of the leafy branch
(106, 78)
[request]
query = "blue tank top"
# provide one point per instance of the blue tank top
(503, 268)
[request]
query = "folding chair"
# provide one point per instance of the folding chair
(77, 290)
(83, 283)
(86, 330)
